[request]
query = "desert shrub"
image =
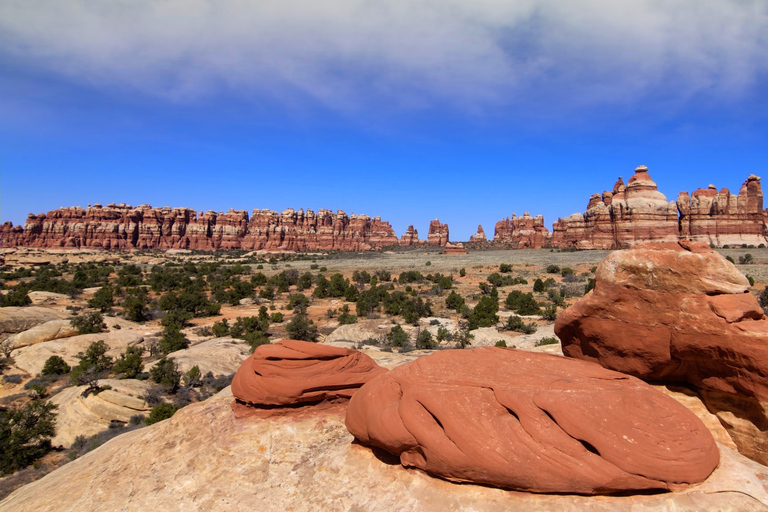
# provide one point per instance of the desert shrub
(484, 313)
(551, 340)
(298, 302)
(89, 323)
(729, 258)
(55, 365)
(172, 340)
(751, 280)
(589, 286)
(135, 304)
(538, 286)
(129, 364)
(443, 334)
(515, 323)
(566, 271)
(463, 338)
(411, 276)
(161, 412)
(103, 299)
(550, 313)
(25, 434)
(397, 337)
(345, 317)
(501, 343)
(166, 373)
(523, 303)
(505, 268)
(454, 301)
(383, 275)
(302, 328)
(553, 269)
(276, 318)
(252, 329)
(425, 341)
(16, 298)
(95, 357)
(746, 259)
(220, 328)
(193, 378)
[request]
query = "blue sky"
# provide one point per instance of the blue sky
(411, 110)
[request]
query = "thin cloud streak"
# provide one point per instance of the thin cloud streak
(355, 55)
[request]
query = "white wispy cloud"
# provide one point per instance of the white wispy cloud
(354, 54)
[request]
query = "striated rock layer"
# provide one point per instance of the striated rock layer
(637, 212)
(530, 421)
(479, 236)
(294, 372)
(679, 312)
(524, 232)
(438, 233)
(143, 227)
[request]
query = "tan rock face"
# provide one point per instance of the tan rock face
(207, 458)
(143, 227)
(438, 233)
(530, 421)
(86, 416)
(14, 319)
(292, 372)
(220, 356)
(524, 232)
(52, 330)
(678, 313)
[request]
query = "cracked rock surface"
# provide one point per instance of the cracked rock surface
(534, 422)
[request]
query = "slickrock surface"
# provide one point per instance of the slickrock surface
(32, 358)
(529, 421)
(47, 331)
(206, 458)
(293, 372)
(220, 356)
(13, 319)
(438, 233)
(679, 312)
(85, 416)
(637, 212)
(121, 226)
(524, 232)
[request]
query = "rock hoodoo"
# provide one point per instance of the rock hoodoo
(479, 236)
(530, 421)
(120, 226)
(679, 312)
(524, 232)
(637, 212)
(438, 233)
(294, 372)
(410, 237)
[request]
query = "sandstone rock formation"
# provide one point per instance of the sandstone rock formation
(529, 421)
(524, 232)
(86, 416)
(121, 226)
(722, 218)
(293, 372)
(15, 319)
(454, 248)
(47, 331)
(410, 237)
(479, 236)
(220, 356)
(32, 358)
(638, 213)
(438, 233)
(207, 458)
(679, 312)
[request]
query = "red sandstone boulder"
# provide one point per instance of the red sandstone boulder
(531, 421)
(294, 372)
(679, 312)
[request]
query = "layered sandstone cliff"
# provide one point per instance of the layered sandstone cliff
(410, 237)
(438, 233)
(524, 232)
(143, 227)
(637, 212)
(479, 236)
